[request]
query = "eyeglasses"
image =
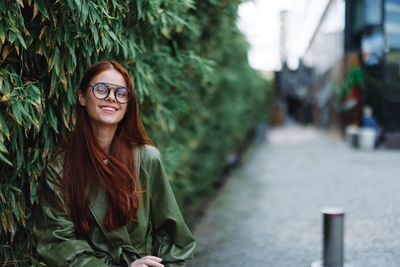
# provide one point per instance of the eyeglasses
(101, 90)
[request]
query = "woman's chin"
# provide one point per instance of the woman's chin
(105, 123)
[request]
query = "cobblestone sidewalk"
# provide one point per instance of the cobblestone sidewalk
(268, 213)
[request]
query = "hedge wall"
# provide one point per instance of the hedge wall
(199, 98)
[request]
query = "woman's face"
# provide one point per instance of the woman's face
(104, 112)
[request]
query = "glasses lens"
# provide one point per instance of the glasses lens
(100, 90)
(122, 94)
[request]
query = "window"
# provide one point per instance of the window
(357, 16)
(392, 24)
(373, 12)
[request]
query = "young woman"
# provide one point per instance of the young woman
(105, 199)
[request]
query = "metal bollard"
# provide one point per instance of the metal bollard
(333, 239)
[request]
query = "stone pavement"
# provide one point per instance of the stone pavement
(268, 212)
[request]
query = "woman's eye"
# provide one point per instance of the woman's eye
(122, 92)
(102, 88)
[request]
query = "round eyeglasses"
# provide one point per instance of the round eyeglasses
(101, 90)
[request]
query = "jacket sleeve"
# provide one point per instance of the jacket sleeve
(172, 239)
(56, 239)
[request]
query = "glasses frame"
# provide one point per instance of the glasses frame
(116, 88)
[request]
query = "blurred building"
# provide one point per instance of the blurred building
(350, 58)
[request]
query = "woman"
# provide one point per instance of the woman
(105, 199)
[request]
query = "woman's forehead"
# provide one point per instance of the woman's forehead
(109, 76)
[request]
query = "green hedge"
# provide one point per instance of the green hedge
(199, 97)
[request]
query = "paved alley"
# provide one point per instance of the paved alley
(268, 212)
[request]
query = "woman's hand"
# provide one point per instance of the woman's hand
(147, 261)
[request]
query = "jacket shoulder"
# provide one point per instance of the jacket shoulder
(150, 153)
(150, 161)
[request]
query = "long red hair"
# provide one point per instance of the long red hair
(84, 160)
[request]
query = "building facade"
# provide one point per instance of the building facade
(353, 56)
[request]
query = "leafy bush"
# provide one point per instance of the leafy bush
(199, 98)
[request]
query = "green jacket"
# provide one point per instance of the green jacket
(159, 229)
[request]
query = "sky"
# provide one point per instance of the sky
(259, 20)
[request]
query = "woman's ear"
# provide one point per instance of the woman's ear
(81, 98)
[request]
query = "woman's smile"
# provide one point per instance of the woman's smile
(107, 109)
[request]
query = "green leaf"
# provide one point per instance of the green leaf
(84, 11)
(52, 60)
(17, 113)
(42, 8)
(2, 32)
(23, 109)
(12, 36)
(53, 84)
(35, 89)
(14, 188)
(57, 62)
(34, 186)
(94, 16)
(79, 3)
(3, 148)
(35, 156)
(21, 40)
(4, 159)
(70, 4)
(53, 120)
(95, 36)
(3, 126)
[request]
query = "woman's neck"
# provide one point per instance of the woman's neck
(104, 135)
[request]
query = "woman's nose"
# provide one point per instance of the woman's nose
(111, 95)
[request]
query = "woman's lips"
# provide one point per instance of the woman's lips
(108, 109)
